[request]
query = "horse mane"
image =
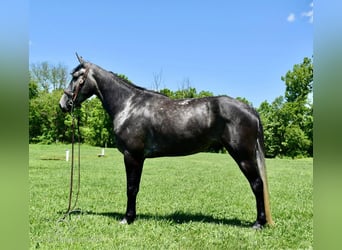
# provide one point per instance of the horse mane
(119, 79)
(77, 68)
(131, 85)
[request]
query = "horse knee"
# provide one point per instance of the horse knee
(257, 185)
(132, 190)
(251, 173)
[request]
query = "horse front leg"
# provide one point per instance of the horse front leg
(134, 166)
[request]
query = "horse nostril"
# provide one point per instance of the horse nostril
(63, 108)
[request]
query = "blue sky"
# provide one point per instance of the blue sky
(236, 48)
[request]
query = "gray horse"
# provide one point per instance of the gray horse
(148, 124)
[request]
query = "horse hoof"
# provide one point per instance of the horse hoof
(123, 221)
(126, 221)
(257, 225)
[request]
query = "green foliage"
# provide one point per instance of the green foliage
(33, 89)
(272, 126)
(124, 77)
(299, 81)
(201, 201)
(288, 122)
(244, 100)
(97, 128)
(188, 92)
(287, 128)
(46, 120)
(295, 142)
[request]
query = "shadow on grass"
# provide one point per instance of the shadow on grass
(177, 218)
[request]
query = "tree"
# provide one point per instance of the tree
(273, 126)
(288, 121)
(33, 89)
(244, 100)
(97, 126)
(298, 87)
(59, 76)
(46, 120)
(299, 81)
(167, 92)
(49, 77)
(124, 77)
(157, 80)
(189, 92)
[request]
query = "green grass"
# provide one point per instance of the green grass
(200, 201)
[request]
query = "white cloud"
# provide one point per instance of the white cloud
(309, 13)
(291, 18)
(306, 14)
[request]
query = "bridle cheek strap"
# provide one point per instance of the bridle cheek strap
(79, 86)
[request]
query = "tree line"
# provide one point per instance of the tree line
(287, 121)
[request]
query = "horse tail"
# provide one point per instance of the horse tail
(260, 149)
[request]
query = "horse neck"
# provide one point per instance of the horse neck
(113, 92)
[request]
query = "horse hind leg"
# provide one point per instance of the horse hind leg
(247, 163)
(249, 169)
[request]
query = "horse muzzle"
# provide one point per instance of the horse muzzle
(65, 103)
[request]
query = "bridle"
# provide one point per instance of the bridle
(79, 86)
(72, 209)
(73, 95)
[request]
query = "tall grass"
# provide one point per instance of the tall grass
(200, 201)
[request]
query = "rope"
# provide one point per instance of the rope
(71, 209)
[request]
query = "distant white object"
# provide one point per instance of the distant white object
(67, 155)
(102, 153)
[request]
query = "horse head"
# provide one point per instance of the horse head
(82, 86)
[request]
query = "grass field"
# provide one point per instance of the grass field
(200, 201)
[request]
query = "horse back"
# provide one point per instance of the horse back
(159, 126)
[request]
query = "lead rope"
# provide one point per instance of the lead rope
(72, 209)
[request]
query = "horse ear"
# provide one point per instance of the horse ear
(80, 59)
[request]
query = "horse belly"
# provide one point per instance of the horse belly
(181, 139)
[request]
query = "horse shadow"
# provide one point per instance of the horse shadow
(177, 217)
